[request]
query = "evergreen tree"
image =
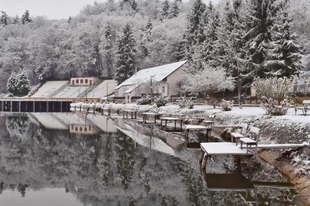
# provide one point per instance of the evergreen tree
(110, 5)
(209, 53)
(18, 84)
(174, 10)
(194, 34)
(224, 35)
(146, 37)
(261, 21)
(26, 18)
(166, 8)
(284, 58)
(16, 20)
(108, 50)
(125, 59)
(11, 84)
(23, 83)
(69, 19)
(4, 19)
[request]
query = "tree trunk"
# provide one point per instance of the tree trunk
(213, 100)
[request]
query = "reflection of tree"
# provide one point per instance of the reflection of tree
(123, 173)
(17, 126)
(124, 158)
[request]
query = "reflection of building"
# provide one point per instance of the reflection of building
(82, 129)
(74, 122)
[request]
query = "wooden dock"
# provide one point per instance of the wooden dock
(34, 105)
(220, 148)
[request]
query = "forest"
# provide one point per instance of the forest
(248, 38)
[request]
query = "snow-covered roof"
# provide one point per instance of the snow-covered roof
(158, 73)
(48, 88)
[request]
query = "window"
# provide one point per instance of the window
(86, 81)
(77, 81)
(90, 82)
(81, 81)
(164, 89)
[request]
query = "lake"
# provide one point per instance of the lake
(72, 159)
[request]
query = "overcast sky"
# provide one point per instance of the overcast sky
(52, 9)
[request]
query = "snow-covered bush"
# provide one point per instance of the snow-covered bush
(209, 81)
(274, 88)
(144, 100)
(185, 102)
(161, 101)
(272, 107)
(226, 105)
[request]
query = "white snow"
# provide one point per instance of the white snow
(48, 88)
(222, 148)
(158, 74)
(70, 92)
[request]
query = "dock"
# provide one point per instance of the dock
(220, 148)
(34, 105)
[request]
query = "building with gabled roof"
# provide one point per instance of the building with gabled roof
(161, 81)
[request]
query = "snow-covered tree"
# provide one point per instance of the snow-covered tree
(18, 84)
(108, 50)
(125, 56)
(166, 9)
(210, 53)
(12, 82)
(260, 23)
(4, 19)
(209, 81)
(194, 34)
(174, 10)
(274, 88)
(284, 58)
(26, 18)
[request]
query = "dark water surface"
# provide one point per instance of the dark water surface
(72, 159)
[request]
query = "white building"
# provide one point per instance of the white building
(83, 81)
(161, 80)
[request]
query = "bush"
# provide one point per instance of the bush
(185, 102)
(161, 101)
(272, 107)
(274, 88)
(226, 105)
(144, 100)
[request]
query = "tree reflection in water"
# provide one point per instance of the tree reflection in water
(104, 169)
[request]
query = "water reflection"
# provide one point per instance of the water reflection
(42, 156)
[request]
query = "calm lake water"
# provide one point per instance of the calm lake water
(72, 159)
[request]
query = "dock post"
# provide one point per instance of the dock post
(19, 105)
(1, 105)
(204, 161)
(239, 165)
(11, 106)
(47, 106)
(34, 106)
(201, 156)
